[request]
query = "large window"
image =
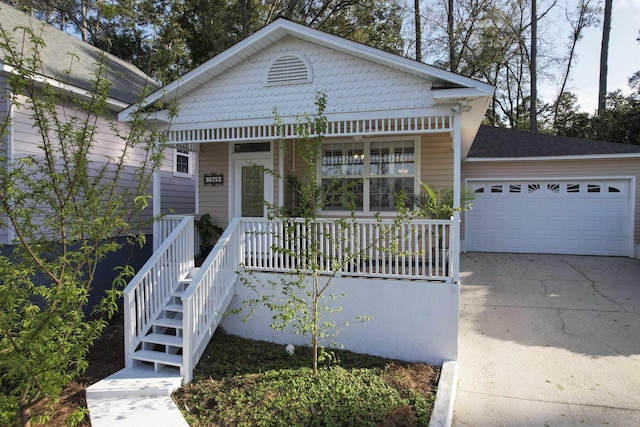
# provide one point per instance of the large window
(368, 176)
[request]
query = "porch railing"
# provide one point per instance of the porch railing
(419, 249)
(209, 295)
(151, 288)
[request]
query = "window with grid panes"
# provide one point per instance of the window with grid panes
(367, 176)
(181, 162)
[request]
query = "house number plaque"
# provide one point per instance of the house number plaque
(214, 179)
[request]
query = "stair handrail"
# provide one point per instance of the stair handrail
(209, 294)
(152, 286)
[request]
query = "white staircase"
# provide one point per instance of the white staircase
(140, 395)
(162, 346)
(171, 310)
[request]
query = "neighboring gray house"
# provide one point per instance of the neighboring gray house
(60, 53)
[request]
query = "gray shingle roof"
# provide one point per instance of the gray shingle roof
(494, 142)
(62, 50)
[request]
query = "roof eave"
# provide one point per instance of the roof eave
(555, 158)
(114, 104)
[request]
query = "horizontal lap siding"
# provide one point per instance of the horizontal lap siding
(178, 193)
(214, 200)
(436, 162)
(601, 168)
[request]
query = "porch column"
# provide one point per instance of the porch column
(156, 209)
(456, 192)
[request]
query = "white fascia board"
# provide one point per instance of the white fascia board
(462, 93)
(554, 158)
(291, 119)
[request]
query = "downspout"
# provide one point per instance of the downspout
(457, 147)
(281, 161)
(196, 174)
(11, 235)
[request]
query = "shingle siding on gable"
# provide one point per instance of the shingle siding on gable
(351, 84)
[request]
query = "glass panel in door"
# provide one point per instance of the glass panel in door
(252, 191)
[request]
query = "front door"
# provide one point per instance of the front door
(254, 186)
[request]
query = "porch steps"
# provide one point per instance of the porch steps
(162, 346)
(158, 357)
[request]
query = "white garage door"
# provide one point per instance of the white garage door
(586, 217)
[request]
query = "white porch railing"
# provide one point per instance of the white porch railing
(209, 294)
(419, 249)
(149, 290)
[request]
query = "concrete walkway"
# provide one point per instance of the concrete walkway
(548, 340)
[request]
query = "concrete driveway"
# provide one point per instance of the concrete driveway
(548, 340)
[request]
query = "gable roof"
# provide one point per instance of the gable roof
(503, 143)
(447, 86)
(61, 50)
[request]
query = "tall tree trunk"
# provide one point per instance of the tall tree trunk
(604, 56)
(584, 19)
(452, 54)
(416, 7)
(533, 109)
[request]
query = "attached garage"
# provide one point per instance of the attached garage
(550, 194)
(588, 217)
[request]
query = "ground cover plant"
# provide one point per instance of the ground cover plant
(241, 382)
(231, 361)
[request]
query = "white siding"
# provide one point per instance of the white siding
(351, 84)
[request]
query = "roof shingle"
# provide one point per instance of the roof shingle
(63, 51)
(494, 142)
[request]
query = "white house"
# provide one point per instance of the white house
(391, 121)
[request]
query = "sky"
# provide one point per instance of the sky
(624, 57)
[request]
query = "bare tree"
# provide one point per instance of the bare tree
(604, 56)
(586, 15)
(533, 109)
(416, 7)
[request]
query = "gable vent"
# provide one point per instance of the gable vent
(289, 69)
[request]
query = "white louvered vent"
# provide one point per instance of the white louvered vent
(289, 69)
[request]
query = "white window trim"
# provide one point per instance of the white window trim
(366, 212)
(189, 155)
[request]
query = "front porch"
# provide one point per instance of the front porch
(172, 308)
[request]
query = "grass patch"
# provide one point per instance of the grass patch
(241, 382)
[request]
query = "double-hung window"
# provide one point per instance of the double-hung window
(368, 176)
(181, 163)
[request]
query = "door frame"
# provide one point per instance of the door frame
(264, 158)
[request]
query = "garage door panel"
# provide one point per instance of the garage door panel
(573, 217)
